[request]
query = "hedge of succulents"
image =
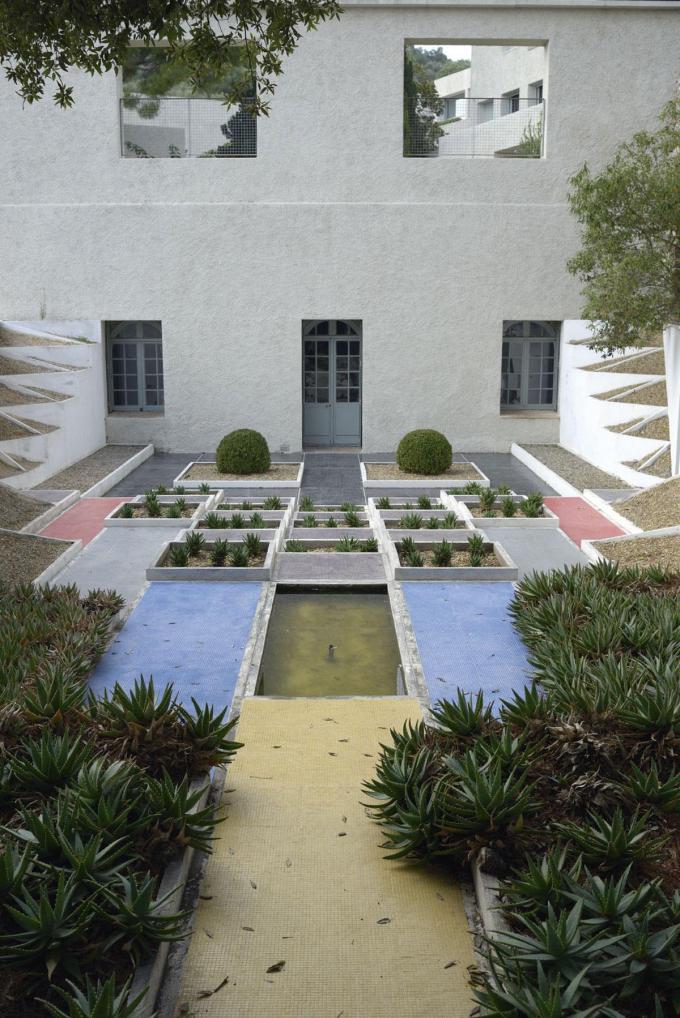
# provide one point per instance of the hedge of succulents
(570, 792)
(96, 797)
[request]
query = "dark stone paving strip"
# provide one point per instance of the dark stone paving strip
(332, 477)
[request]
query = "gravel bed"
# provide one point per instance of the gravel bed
(390, 472)
(86, 472)
(657, 429)
(573, 469)
(11, 366)
(460, 559)
(659, 468)
(10, 397)
(654, 508)
(644, 551)
(23, 557)
(10, 337)
(17, 509)
(276, 472)
(9, 471)
(9, 429)
(644, 364)
(653, 395)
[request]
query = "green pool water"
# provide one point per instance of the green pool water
(330, 643)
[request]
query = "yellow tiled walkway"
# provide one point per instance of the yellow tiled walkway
(298, 877)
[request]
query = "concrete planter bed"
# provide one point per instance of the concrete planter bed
(195, 508)
(271, 518)
(471, 513)
(279, 475)
(388, 475)
(430, 522)
(199, 566)
(302, 533)
(325, 546)
(500, 566)
(321, 521)
(248, 505)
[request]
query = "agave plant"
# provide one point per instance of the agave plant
(253, 545)
(424, 502)
(179, 489)
(218, 553)
(213, 521)
(208, 733)
(544, 881)
(471, 488)
(95, 1000)
(178, 556)
(237, 521)
(295, 546)
(449, 521)
(370, 544)
(331, 521)
(204, 488)
(53, 696)
(383, 502)
(532, 505)
(463, 717)
(348, 507)
(611, 844)
(239, 558)
(173, 511)
(15, 867)
(272, 502)
(648, 786)
(487, 499)
(411, 521)
(509, 507)
(442, 554)
(348, 544)
(475, 546)
(193, 542)
(47, 926)
(257, 521)
(179, 822)
(50, 761)
(139, 715)
(246, 504)
(309, 520)
(126, 511)
(413, 557)
(432, 523)
(352, 518)
(485, 802)
(152, 505)
(306, 504)
(137, 918)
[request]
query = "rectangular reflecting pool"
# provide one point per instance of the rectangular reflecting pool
(330, 643)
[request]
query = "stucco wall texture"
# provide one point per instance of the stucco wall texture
(329, 221)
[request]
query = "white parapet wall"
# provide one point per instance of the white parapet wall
(671, 345)
(78, 418)
(585, 420)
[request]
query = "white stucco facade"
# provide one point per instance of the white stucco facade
(330, 220)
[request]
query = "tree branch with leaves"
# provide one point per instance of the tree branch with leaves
(630, 257)
(41, 41)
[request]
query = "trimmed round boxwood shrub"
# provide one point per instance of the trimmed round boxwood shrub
(243, 452)
(424, 451)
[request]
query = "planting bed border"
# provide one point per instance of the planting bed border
(317, 534)
(433, 482)
(107, 482)
(246, 481)
(548, 521)
(243, 574)
(150, 975)
(182, 522)
(505, 572)
(71, 549)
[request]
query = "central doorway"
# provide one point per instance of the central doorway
(331, 382)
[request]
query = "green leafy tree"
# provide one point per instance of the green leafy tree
(422, 105)
(434, 62)
(41, 41)
(630, 258)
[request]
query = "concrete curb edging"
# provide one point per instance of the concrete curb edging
(561, 486)
(549, 521)
(56, 509)
(159, 572)
(149, 976)
(247, 481)
(433, 482)
(606, 509)
(112, 520)
(505, 572)
(101, 487)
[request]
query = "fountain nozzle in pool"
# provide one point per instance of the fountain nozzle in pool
(331, 651)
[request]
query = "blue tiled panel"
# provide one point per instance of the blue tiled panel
(190, 634)
(466, 639)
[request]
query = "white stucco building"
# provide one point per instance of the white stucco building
(330, 290)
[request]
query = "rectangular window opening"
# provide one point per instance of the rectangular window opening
(134, 362)
(477, 101)
(529, 365)
(164, 116)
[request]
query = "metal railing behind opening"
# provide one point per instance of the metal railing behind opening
(503, 127)
(171, 127)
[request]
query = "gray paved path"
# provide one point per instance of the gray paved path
(537, 550)
(117, 560)
(333, 477)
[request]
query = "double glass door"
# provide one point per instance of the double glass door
(331, 369)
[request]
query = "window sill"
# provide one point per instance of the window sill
(531, 414)
(136, 414)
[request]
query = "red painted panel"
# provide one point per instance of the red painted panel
(580, 521)
(82, 521)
